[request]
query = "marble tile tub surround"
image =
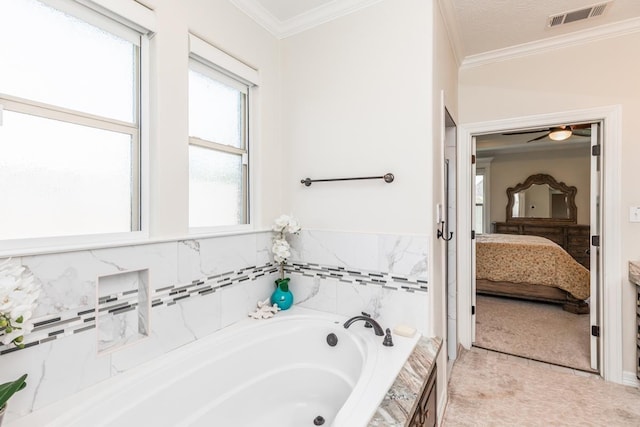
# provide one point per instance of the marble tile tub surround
(402, 255)
(196, 288)
(346, 273)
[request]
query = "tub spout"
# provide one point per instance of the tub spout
(376, 327)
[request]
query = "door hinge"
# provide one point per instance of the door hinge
(473, 310)
(595, 330)
(595, 240)
(473, 234)
(473, 159)
(595, 150)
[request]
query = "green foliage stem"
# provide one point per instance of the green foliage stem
(9, 389)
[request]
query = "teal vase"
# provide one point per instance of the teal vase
(282, 295)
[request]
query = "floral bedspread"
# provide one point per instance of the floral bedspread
(530, 259)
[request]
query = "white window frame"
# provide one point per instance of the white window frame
(135, 23)
(211, 61)
(483, 167)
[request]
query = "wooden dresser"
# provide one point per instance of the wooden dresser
(573, 238)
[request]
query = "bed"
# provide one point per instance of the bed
(530, 267)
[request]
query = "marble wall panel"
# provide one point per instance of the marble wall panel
(199, 286)
(354, 250)
(68, 279)
(314, 293)
(201, 258)
(55, 369)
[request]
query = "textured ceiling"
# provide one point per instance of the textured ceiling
(489, 25)
(477, 26)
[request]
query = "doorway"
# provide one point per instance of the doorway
(610, 337)
(532, 256)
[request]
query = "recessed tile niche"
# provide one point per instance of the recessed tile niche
(122, 311)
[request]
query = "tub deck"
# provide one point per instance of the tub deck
(400, 402)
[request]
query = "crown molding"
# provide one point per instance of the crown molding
(580, 37)
(258, 13)
(453, 29)
(302, 22)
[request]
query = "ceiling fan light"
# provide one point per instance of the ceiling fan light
(560, 134)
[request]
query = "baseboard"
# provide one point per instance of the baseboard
(630, 379)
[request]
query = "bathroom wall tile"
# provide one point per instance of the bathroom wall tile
(69, 279)
(408, 308)
(168, 330)
(349, 250)
(352, 299)
(206, 257)
(202, 315)
(264, 242)
(158, 258)
(55, 370)
(239, 300)
(171, 327)
(404, 255)
(314, 293)
(389, 307)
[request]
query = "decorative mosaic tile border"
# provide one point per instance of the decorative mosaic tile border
(66, 324)
(73, 322)
(341, 274)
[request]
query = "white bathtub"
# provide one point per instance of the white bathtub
(277, 372)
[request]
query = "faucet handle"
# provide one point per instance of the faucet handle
(388, 341)
(367, 324)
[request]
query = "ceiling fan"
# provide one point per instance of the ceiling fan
(558, 133)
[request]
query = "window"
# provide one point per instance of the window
(218, 144)
(482, 195)
(480, 201)
(69, 122)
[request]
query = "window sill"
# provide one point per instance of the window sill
(50, 246)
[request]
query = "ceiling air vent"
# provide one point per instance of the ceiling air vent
(577, 15)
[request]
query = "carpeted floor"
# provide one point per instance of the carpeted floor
(535, 330)
(494, 389)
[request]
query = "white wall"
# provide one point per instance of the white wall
(602, 73)
(357, 101)
(445, 91)
(571, 167)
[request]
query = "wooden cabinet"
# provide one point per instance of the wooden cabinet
(425, 413)
(572, 238)
(638, 332)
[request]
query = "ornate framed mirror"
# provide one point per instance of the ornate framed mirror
(540, 198)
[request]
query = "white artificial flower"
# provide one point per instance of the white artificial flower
(281, 250)
(293, 226)
(18, 295)
(281, 222)
(23, 311)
